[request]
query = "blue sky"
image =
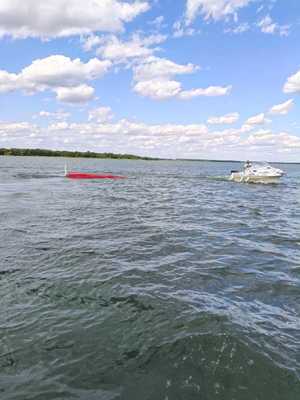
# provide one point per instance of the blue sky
(187, 78)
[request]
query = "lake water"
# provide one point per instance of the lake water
(172, 284)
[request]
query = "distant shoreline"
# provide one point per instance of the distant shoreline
(70, 154)
(16, 152)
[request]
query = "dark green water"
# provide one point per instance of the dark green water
(171, 284)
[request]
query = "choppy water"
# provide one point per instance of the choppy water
(171, 284)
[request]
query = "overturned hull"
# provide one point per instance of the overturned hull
(81, 175)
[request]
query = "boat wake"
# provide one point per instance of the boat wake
(36, 176)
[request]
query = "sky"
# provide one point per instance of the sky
(205, 79)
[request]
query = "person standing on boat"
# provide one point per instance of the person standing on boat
(248, 164)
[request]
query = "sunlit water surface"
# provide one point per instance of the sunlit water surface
(172, 284)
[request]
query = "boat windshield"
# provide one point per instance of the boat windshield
(257, 164)
(261, 164)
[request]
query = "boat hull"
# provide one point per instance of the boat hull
(243, 178)
(81, 175)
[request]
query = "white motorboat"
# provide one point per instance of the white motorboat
(257, 173)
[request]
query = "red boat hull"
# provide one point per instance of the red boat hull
(82, 175)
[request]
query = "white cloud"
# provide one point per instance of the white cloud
(101, 114)
(58, 126)
(57, 18)
(58, 73)
(211, 91)
(241, 28)
(161, 68)
(118, 51)
(292, 85)
(267, 138)
(247, 128)
(154, 79)
(258, 119)
(267, 25)
(151, 40)
(158, 89)
(180, 30)
(91, 41)
(224, 119)
(53, 115)
(59, 70)
(214, 9)
(8, 82)
(158, 22)
(112, 48)
(186, 140)
(75, 95)
(283, 108)
(17, 129)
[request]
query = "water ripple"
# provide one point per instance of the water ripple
(172, 284)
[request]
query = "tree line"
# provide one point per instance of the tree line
(72, 154)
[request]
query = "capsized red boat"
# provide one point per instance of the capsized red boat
(84, 175)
